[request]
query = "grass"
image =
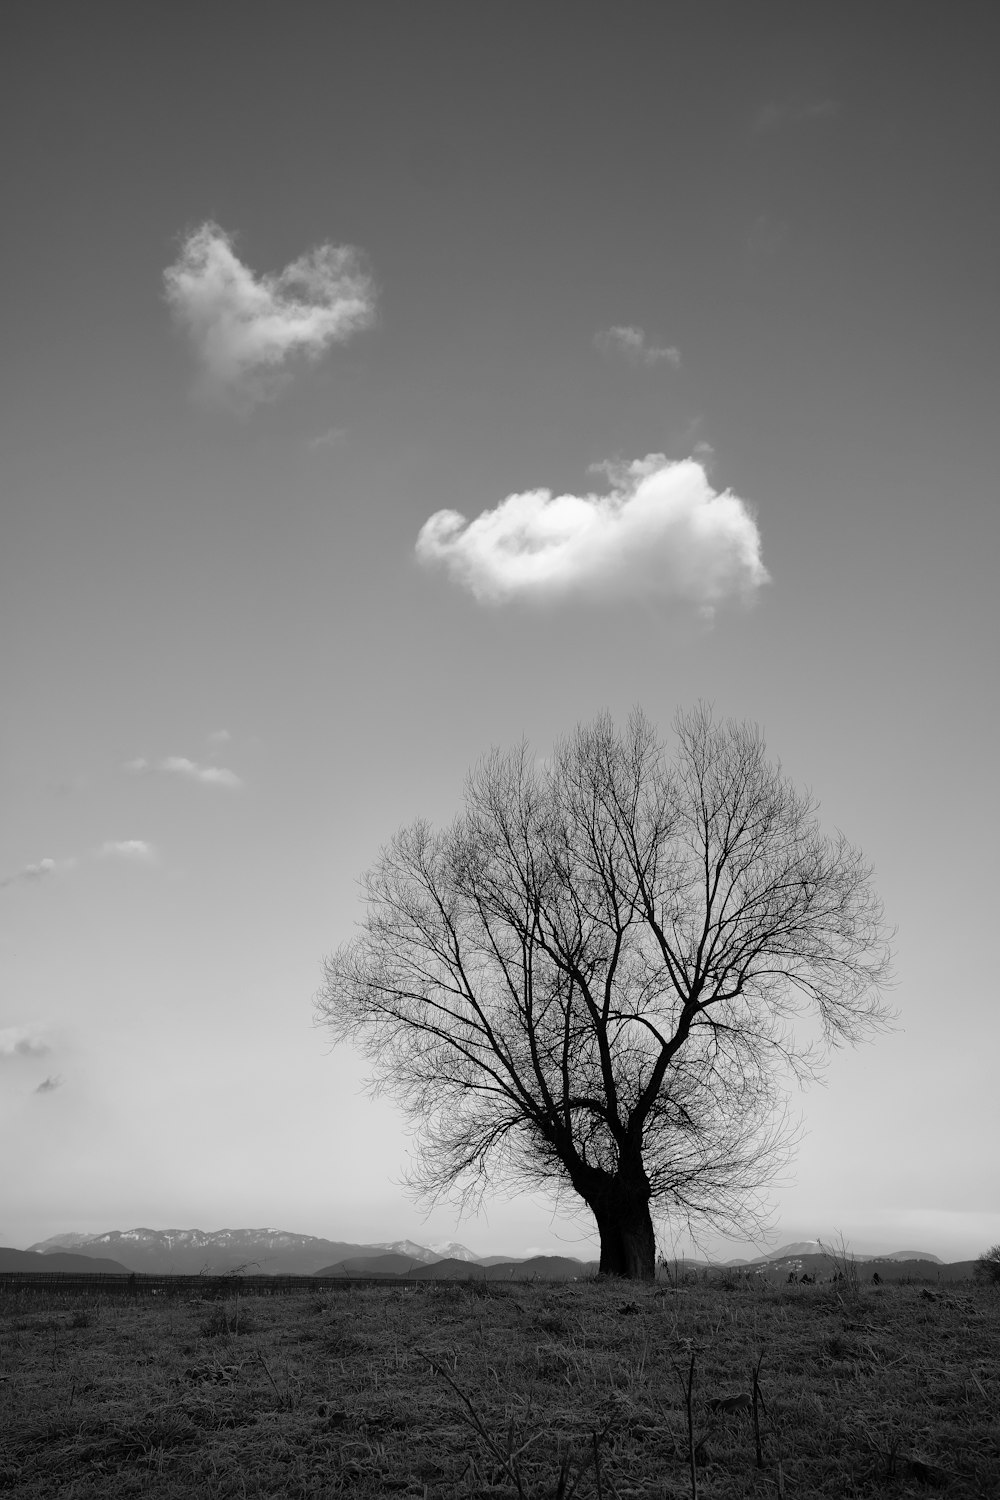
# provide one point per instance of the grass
(499, 1390)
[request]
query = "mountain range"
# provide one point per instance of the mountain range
(274, 1252)
(279, 1252)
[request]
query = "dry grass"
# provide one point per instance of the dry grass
(544, 1390)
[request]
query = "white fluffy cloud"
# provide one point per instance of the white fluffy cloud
(661, 532)
(180, 765)
(247, 329)
(134, 849)
(633, 345)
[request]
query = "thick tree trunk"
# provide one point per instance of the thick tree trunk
(621, 1207)
(628, 1245)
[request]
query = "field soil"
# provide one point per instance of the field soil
(503, 1390)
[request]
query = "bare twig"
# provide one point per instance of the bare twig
(757, 1402)
(688, 1388)
(509, 1460)
(270, 1377)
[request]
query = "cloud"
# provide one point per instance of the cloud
(21, 1041)
(50, 1084)
(632, 344)
(130, 849)
(180, 765)
(704, 454)
(133, 849)
(772, 116)
(219, 737)
(662, 532)
(331, 438)
(247, 330)
(38, 870)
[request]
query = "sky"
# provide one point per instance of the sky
(384, 383)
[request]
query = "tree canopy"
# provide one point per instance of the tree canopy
(588, 982)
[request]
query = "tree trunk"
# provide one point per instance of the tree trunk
(628, 1244)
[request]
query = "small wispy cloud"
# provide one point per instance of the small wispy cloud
(704, 454)
(632, 344)
(218, 738)
(38, 870)
(662, 532)
(139, 850)
(180, 765)
(50, 1084)
(331, 438)
(21, 1041)
(772, 116)
(248, 330)
(192, 770)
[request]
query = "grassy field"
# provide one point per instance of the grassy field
(540, 1390)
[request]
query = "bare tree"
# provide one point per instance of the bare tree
(587, 982)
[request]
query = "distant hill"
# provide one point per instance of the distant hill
(538, 1268)
(814, 1247)
(909, 1268)
(450, 1269)
(375, 1265)
(545, 1268)
(935, 1260)
(59, 1260)
(888, 1268)
(786, 1252)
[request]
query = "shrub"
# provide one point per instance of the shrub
(987, 1267)
(228, 1318)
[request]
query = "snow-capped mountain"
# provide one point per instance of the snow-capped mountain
(61, 1242)
(428, 1253)
(257, 1251)
(406, 1247)
(452, 1250)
